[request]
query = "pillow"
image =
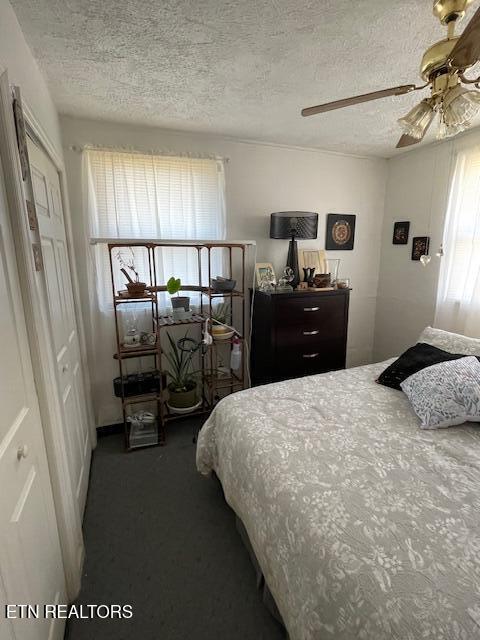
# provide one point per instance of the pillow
(446, 394)
(451, 342)
(414, 359)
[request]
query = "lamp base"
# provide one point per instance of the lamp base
(292, 262)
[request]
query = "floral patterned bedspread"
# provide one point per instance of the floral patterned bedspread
(364, 525)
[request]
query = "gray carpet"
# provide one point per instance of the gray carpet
(160, 537)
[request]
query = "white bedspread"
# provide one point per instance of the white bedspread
(364, 525)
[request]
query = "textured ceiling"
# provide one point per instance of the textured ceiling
(242, 69)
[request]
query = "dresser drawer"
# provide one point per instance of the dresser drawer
(312, 312)
(306, 335)
(290, 363)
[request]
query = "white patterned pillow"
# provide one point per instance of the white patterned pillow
(446, 394)
(451, 342)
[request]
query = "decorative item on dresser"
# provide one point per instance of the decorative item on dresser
(293, 225)
(298, 333)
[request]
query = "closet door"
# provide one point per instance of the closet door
(48, 201)
(31, 569)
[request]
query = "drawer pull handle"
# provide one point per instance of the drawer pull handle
(311, 308)
(311, 355)
(311, 333)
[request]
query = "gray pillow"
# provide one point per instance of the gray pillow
(451, 342)
(445, 394)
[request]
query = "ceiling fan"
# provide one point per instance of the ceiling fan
(443, 68)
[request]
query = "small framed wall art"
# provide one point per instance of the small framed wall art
(340, 232)
(400, 232)
(420, 247)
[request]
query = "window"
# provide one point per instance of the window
(458, 304)
(133, 195)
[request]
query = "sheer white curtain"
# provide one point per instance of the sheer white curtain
(458, 301)
(143, 196)
(132, 195)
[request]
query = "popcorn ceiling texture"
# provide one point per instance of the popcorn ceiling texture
(242, 69)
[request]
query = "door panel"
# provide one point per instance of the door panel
(48, 201)
(30, 556)
(74, 437)
(55, 302)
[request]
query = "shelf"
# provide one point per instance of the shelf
(222, 294)
(155, 242)
(170, 417)
(170, 321)
(206, 298)
(129, 299)
(136, 353)
(144, 397)
(200, 289)
(223, 383)
(231, 340)
(161, 288)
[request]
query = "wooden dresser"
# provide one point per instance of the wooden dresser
(298, 334)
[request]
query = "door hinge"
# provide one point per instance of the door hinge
(32, 216)
(37, 256)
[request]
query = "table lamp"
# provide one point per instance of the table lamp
(293, 225)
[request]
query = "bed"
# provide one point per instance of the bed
(364, 525)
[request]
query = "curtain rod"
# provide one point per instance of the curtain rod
(150, 152)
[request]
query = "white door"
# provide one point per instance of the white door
(31, 569)
(48, 201)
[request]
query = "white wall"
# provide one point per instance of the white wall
(261, 179)
(23, 71)
(417, 190)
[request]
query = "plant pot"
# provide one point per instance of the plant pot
(221, 333)
(136, 289)
(181, 302)
(218, 330)
(183, 399)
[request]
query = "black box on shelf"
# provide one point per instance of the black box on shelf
(136, 384)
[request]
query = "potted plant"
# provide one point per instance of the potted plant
(221, 314)
(135, 288)
(179, 302)
(183, 386)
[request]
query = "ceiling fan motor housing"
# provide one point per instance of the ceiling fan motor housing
(435, 58)
(450, 10)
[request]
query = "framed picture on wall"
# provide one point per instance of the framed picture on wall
(420, 247)
(400, 232)
(340, 232)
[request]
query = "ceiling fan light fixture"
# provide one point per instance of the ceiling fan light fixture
(448, 130)
(460, 106)
(417, 121)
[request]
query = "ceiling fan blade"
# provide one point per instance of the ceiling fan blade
(407, 141)
(467, 50)
(366, 97)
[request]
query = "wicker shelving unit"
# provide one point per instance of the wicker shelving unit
(214, 381)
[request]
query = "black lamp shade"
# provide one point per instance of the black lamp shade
(301, 225)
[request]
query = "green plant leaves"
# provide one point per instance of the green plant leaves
(174, 285)
(180, 365)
